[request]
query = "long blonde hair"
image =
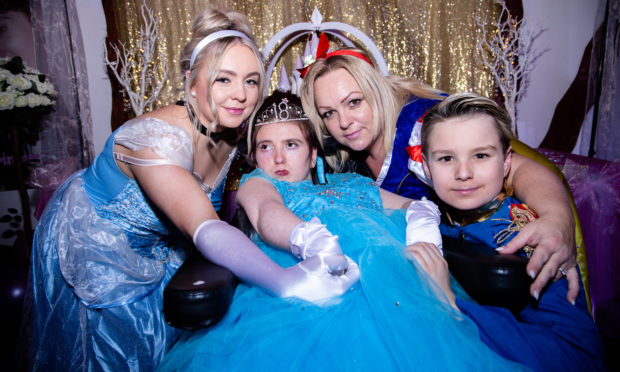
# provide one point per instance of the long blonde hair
(208, 21)
(385, 95)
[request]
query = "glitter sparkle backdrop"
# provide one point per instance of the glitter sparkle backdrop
(433, 40)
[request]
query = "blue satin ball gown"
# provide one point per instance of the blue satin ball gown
(101, 257)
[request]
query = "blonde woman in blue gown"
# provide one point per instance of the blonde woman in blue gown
(114, 234)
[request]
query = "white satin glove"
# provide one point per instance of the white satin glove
(309, 280)
(311, 238)
(423, 218)
(313, 280)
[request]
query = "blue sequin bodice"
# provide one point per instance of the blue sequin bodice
(148, 233)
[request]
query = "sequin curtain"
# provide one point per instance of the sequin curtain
(433, 40)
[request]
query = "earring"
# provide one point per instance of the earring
(193, 94)
(320, 170)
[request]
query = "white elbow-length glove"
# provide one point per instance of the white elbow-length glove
(309, 280)
(311, 238)
(423, 219)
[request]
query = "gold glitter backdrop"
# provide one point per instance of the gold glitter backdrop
(433, 40)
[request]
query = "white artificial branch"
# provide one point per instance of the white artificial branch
(136, 69)
(507, 51)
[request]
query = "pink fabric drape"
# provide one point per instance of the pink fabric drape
(595, 185)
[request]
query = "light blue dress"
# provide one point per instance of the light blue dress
(395, 318)
(101, 256)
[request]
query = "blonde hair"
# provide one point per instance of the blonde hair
(385, 95)
(467, 105)
(207, 22)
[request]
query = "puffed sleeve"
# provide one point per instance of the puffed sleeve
(169, 142)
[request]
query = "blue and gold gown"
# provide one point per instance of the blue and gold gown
(395, 318)
(547, 335)
(101, 256)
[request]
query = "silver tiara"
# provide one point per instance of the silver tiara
(280, 112)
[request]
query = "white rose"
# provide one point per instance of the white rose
(19, 82)
(45, 101)
(21, 101)
(4, 74)
(49, 89)
(31, 77)
(34, 100)
(7, 100)
(39, 86)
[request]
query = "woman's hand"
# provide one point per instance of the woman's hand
(310, 279)
(553, 233)
(431, 260)
(554, 244)
(314, 281)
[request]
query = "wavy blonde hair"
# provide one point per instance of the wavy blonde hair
(386, 96)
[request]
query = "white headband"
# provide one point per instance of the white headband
(211, 38)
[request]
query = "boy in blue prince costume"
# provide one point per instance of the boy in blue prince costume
(466, 155)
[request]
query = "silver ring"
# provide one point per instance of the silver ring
(562, 271)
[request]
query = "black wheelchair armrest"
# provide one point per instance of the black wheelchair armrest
(199, 294)
(489, 278)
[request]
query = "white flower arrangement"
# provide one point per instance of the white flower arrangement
(22, 86)
(25, 96)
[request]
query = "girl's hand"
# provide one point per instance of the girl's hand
(431, 260)
(311, 238)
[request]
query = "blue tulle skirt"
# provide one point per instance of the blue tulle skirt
(395, 318)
